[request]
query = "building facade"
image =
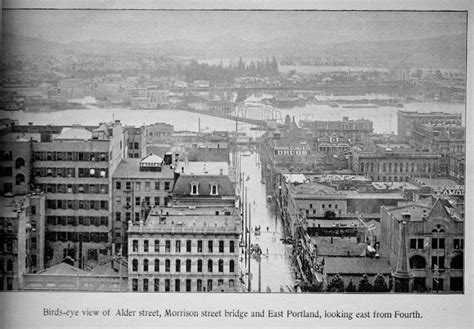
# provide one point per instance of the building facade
(408, 119)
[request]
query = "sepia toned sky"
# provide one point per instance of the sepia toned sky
(151, 26)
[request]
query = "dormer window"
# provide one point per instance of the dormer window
(214, 189)
(194, 188)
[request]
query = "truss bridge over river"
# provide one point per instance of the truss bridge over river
(253, 113)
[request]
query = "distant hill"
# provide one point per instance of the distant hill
(443, 52)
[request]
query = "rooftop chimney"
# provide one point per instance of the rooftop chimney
(402, 274)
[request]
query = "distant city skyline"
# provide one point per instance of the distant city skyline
(156, 26)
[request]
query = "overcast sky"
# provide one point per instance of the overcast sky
(150, 26)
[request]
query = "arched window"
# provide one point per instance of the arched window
(19, 162)
(417, 262)
(209, 265)
(457, 262)
(145, 265)
(20, 179)
(178, 265)
(135, 265)
(188, 265)
(231, 266)
(157, 265)
(167, 265)
(221, 265)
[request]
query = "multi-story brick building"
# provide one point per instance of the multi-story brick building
(408, 119)
(137, 186)
(395, 165)
(74, 169)
(22, 235)
(191, 245)
(435, 244)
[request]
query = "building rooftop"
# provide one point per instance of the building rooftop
(313, 189)
(394, 186)
(201, 168)
(130, 169)
(374, 195)
(415, 210)
(356, 265)
(62, 269)
(74, 133)
(184, 182)
(436, 183)
(339, 247)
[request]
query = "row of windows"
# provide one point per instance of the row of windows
(78, 204)
(398, 167)
(436, 243)
(96, 237)
(155, 265)
(137, 186)
(188, 285)
(187, 246)
(75, 188)
(71, 156)
(6, 171)
(71, 172)
(77, 220)
(5, 155)
(419, 262)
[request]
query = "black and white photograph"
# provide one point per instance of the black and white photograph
(213, 153)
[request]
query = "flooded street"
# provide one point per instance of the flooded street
(275, 269)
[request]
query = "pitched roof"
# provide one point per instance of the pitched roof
(74, 133)
(62, 269)
(183, 185)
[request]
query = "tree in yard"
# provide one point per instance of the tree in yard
(380, 285)
(351, 287)
(336, 284)
(364, 284)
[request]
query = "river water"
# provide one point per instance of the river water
(384, 118)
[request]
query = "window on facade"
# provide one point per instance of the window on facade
(167, 265)
(458, 244)
(157, 245)
(157, 200)
(199, 246)
(134, 284)
(167, 284)
(231, 246)
(145, 246)
(19, 179)
(157, 265)
(438, 284)
(209, 285)
(157, 186)
(214, 190)
(188, 245)
(178, 265)
(156, 284)
(178, 246)
(199, 265)
(194, 188)
(437, 243)
(118, 185)
(416, 243)
(145, 284)
(145, 265)
(231, 283)
(138, 186)
(231, 266)
(209, 246)
(167, 246)
(128, 186)
(9, 265)
(188, 285)
(221, 265)
(118, 216)
(437, 260)
(147, 186)
(188, 265)
(167, 186)
(137, 201)
(177, 285)
(135, 245)
(135, 265)
(199, 285)
(209, 265)
(221, 246)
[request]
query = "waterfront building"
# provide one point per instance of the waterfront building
(395, 165)
(138, 185)
(73, 88)
(408, 119)
(355, 131)
(193, 243)
(434, 237)
(22, 234)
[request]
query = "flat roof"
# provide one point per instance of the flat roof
(356, 265)
(202, 168)
(129, 168)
